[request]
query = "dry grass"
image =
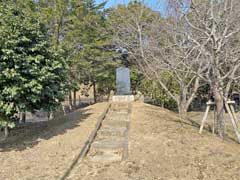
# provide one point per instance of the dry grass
(161, 148)
(50, 151)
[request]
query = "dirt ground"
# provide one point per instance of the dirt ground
(49, 152)
(161, 148)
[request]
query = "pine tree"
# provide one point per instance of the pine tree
(88, 40)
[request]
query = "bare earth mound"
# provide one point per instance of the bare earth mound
(161, 148)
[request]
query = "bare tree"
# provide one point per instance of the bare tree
(159, 50)
(213, 27)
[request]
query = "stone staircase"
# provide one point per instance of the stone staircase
(111, 141)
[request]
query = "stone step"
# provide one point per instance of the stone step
(106, 157)
(102, 151)
(115, 138)
(118, 110)
(126, 119)
(112, 131)
(119, 104)
(117, 115)
(108, 144)
(121, 112)
(117, 107)
(123, 98)
(115, 123)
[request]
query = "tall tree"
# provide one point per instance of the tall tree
(32, 76)
(89, 42)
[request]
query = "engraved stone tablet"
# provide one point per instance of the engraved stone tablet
(123, 81)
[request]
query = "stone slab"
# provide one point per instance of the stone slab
(106, 158)
(108, 144)
(115, 123)
(112, 131)
(123, 98)
(123, 81)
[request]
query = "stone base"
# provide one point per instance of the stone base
(123, 98)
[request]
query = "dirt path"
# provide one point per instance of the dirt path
(161, 148)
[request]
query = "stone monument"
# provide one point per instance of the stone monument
(123, 84)
(123, 81)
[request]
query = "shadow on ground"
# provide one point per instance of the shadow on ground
(28, 136)
(195, 120)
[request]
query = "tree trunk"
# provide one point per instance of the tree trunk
(182, 109)
(63, 109)
(79, 100)
(49, 115)
(70, 99)
(162, 104)
(23, 117)
(218, 96)
(75, 99)
(183, 104)
(108, 95)
(6, 132)
(94, 92)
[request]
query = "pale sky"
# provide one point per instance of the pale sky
(159, 5)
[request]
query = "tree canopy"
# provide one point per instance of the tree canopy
(31, 74)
